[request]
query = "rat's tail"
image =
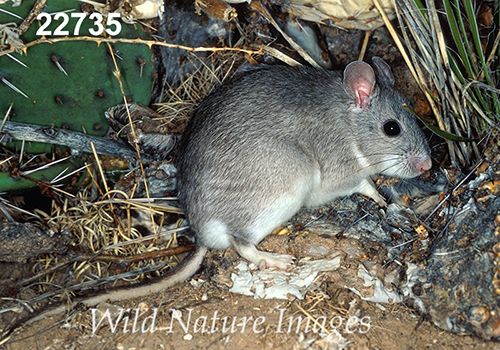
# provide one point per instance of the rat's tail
(181, 272)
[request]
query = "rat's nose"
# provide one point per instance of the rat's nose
(426, 165)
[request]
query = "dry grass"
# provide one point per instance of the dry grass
(179, 102)
(99, 218)
(463, 105)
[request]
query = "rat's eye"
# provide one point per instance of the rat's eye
(392, 128)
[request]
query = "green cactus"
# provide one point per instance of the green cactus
(15, 183)
(76, 101)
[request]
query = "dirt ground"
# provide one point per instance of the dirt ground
(213, 318)
(202, 313)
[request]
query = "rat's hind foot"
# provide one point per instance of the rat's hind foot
(276, 261)
(264, 260)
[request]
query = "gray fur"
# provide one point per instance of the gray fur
(278, 138)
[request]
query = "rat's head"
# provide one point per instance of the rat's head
(388, 137)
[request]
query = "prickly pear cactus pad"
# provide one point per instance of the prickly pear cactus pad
(70, 84)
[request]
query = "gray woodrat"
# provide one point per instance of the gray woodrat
(278, 138)
(275, 139)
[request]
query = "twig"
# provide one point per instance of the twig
(263, 10)
(150, 43)
(108, 258)
(35, 11)
(365, 45)
(74, 140)
(100, 281)
(453, 190)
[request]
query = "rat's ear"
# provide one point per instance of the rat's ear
(359, 82)
(384, 71)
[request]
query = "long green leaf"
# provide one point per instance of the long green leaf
(464, 39)
(479, 49)
(469, 56)
(455, 32)
(441, 133)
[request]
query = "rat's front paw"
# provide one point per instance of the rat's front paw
(380, 200)
(366, 187)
